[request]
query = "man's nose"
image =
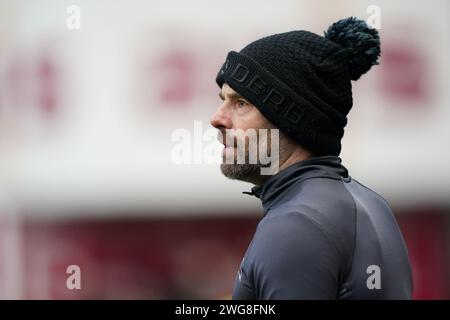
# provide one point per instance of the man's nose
(221, 119)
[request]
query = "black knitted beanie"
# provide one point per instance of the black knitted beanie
(301, 81)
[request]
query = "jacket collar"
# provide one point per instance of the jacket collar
(317, 167)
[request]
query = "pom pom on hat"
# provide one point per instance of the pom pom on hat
(362, 42)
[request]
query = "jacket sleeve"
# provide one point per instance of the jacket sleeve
(294, 259)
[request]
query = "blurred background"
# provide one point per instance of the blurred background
(91, 93)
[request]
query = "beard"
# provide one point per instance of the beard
(244, 167)
(243, 172)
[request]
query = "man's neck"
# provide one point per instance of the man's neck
(296, 156)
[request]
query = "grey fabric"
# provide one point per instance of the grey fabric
(322, 236)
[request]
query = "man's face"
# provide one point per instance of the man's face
(236, 113)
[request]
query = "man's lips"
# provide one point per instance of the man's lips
(232, 145)
(227, 150)
(228, 144)
(225, 144)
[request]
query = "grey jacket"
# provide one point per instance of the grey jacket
(323, 236)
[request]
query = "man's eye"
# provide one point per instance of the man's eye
(241, 103)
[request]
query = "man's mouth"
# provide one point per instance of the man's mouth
(225, 145)
(227, 150)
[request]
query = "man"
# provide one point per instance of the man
(323, 234)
